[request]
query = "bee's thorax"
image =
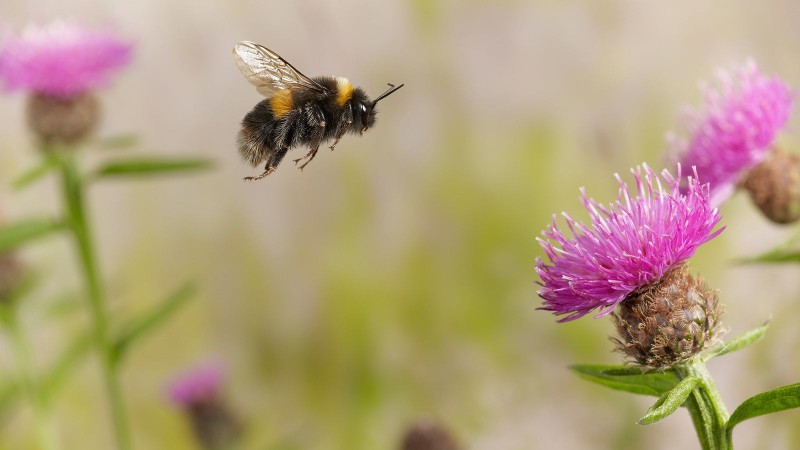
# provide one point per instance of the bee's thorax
(344, 90)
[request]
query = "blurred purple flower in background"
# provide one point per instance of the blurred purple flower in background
(197, 385)
(734, 128)
(199, 393)
(629, 245)
(61, 59)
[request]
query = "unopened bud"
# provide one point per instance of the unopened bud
(669, 321)
(774, 186)
(67, 121)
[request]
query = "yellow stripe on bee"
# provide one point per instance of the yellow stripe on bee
(281, 103)
(345, 91)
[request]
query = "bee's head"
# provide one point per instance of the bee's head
(364, 109)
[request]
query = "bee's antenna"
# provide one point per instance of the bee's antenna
(388, 92)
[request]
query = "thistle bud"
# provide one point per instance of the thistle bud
(62, 120)
(774, 186)
(428, 435)
(199, 393)
(669, 321)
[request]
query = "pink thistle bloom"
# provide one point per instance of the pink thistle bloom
(197, 385)
(735, 127)
(630, 244)
(61, 59)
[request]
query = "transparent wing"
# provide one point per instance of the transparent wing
(267, 71)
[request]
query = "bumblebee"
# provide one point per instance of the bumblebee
(297, 111)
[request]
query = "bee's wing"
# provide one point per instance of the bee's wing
(268, 72)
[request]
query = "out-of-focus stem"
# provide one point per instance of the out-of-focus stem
(73, 196)
(22, 354)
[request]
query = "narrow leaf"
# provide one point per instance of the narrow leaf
(36, 173)
(628, 379)
(785, 252)
(149, 166)
(670, 401)
(782, 398)
(68, 303)
(152, 319)
(774, 256)
(742, 341)
(18, 233)
(118, 142)
(54, 378)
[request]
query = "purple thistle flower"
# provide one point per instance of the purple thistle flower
(61, 59)
(630, 244)
(197, 385)
(735, 127)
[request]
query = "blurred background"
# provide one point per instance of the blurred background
(394, 278)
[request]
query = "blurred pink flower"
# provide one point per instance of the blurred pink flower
(197, 385)
(735, 127)
(630, 244)
(61, 59)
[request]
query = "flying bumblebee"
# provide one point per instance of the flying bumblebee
(297, 110)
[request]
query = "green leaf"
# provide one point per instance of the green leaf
(118, 142)
(670, 401)
(782, 398)
(779, 255)
(628, 379)
(47, 164)
(24, 231)
(149, 321)
(66, 304)
(742, 341)
(149, 166)
(55, 376)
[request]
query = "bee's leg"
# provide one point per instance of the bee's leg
(267, 170)
(316, 120)
(344, 124)
(316, 140)
(272, 163)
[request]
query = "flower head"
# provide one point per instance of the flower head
(629, 245)
(198, 393)
(735, 127)
(61, 59)
(197, 385)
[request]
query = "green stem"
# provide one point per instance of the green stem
(706, 408)
(73, 192)
(45, 429)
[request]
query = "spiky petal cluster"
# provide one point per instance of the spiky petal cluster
(628, 245)
(61, 59)
(734, 128)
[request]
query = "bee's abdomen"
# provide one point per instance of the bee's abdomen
(256, 135)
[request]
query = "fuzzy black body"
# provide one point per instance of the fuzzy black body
(303, 117)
